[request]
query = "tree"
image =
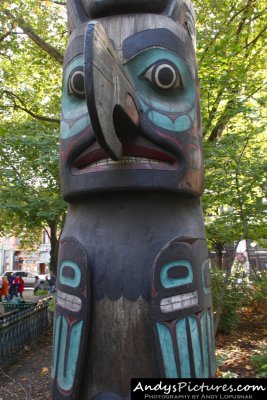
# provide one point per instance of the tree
(32, 41)
(232, 60)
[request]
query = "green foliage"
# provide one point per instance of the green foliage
(260, 361)
(33, 36)
(236, 294)
(41, 292)
(229, 374)
(232, 71)
(259, 288)
(51, 306)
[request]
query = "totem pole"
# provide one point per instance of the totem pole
(133, 291)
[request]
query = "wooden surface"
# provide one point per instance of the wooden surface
(108, 86)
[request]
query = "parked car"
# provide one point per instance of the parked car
(28, 277)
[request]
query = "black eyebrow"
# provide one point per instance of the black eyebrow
(160, 37)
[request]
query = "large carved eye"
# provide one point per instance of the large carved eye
(76, 82)
(164, 75)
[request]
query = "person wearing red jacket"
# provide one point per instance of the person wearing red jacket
(20, 286)
(4, 290)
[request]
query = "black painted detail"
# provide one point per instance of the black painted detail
(68, 272)
(107, 396)
(178, 272)
(76, 83)
(160, 37)
(110, 7)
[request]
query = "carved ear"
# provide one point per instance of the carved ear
(76, 14)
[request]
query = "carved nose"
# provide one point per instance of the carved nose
(109, 91)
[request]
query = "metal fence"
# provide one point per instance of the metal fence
(19, 327)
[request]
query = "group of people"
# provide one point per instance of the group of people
(49, 284)
(10, 287)
(13, 286)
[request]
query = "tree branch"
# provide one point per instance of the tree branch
(41, 43)
(2, 38)
(61, 3)
(23, 107)
(225, 23)
(36, 116)
(27, 29)
(254, 41)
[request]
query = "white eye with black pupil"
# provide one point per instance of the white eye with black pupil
(163, 75)
(76, 82)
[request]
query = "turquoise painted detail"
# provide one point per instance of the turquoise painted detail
(182, 344)
(143, 105)
(55, 345)
(68, 355)
(196, 347)
(205, 332)
(204, 267)
(211, 341)
(74, 114)
(76, 280)
(167, 351)
(192, 114)
(174, 282)
(182, 123)
(174, 100)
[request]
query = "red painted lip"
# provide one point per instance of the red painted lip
(90, 157)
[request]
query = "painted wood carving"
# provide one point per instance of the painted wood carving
(133, 294)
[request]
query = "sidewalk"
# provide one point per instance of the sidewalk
(29, 378)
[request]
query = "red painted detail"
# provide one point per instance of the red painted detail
(90, 157)
(171, 139)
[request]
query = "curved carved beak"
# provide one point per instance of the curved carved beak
(110, 93)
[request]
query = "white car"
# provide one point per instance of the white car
(28, 277)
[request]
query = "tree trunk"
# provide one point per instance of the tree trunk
(54, 245)
(218, 247)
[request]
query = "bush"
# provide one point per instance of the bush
(236, 294)
(260, 287)
(260, 362)
(51, 305)
(41, 292)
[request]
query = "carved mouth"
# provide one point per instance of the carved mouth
(134, 157)
(178, 302)
(68, 301)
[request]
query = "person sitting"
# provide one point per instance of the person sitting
(47, 283)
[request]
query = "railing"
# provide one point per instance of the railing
(20, 327)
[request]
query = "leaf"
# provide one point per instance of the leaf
(44, 371)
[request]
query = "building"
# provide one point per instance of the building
(14, 257)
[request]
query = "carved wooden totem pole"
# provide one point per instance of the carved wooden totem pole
(133, 292)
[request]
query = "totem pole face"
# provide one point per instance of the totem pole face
(143, 131)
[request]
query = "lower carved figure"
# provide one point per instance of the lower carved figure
(182, 312)
(133, 295)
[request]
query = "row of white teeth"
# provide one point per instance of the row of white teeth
(127, 160)
(68, 301)
(178, 302)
